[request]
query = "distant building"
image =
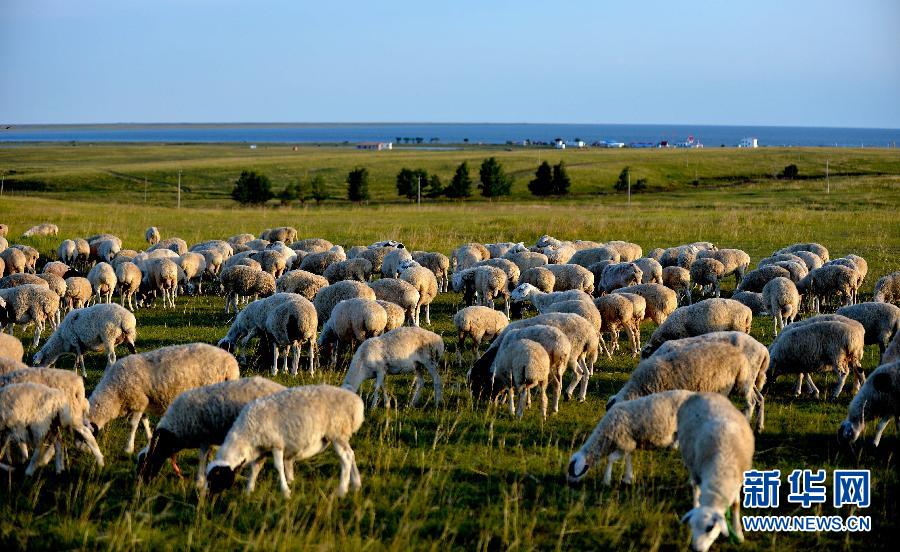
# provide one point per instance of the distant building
(377, 146)
(576, 143)
(559, 143)
(748, 143)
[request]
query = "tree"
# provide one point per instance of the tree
(435, 187)
(317, 190)
(790, 172)
(624, 177)
(542, 185)
(561, 180)
(494, 182)
(408, 182)
(288, 194)
(252, 189)
(358, 185)
(461, 185)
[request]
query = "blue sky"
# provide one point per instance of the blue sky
(765, 62)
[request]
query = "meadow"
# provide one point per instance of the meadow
(461, 476)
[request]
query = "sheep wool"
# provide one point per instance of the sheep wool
(709, 315)
(873, 402)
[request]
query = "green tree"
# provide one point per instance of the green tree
(622, 183)
(358, 185)
(317, 190)
(408, 182)
(461, 185)
(494, 182)
(252, 189)
(289, 194)
(790, 172)
(542, 184)
(435, 187)
(561, 180)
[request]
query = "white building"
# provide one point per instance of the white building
(378, 146)
(559, 143)
(748, 143)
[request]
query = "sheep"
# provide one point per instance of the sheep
(656, 254)
(498, 250)
(400, 292)
(887, 289)
(318, 262)
(812, 345)
(67, 252)
(881, 321)
(396, 316)
(241, 258)
(2, 264)
(32, 414)
(716, 446)
(486, 282)
(270, 261)
(587, 310)
(468, 254)
(390, 266)
(129, 277)
(797, 270)
(437, 263)
(301, 282)
(782, 301)
(22, 278)
(874, 400)
(522, 364)
(375, 255)
(352, 320)
(56, 267)
(547, 241)
(735, 261)
(678, 279)
(104, 248)
(810, 259)
(93, 328)
(351, 269)
(660, 300)
(425, 283)
(11, 347)
(78, 292)
(291, 324)
(14, 261)
(178, 245)
(159, 275)
(619, 275)
(540, 277)
(755, 280)
(286, 234)
(249, 322)
(780, 257)
(816, 248)
(709, 315)
(651, 270)
(152, 235)
(477, 322)
(617, 312)
(558, 348)
(541, 300)
(26, 304)
(644, 422)
(4, 230)
(510, 268)
(570, 276)
(627, 251)
(707, 272)
(527, 259)
(587, 257)
(240, 281)
(404, 350)
(194, 265)
(148, 382)
(31, 257)
(84, 252)
(103, 282)
(311, 245)
(672, 255)
(827, 282)
(753, 300)
(321, 414)
(329, 296)
(8, 365)
(42, 230)
(561, 254)
(221, 246)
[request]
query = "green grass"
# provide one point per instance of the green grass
(461, 476)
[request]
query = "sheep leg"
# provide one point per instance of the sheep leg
(811, 385)
(736, 521)
(278, 458)
(312, 355)
(436, 381)
(842, 379)
(557, 383)
(523, 398)
(588, 372)
(39, 452)
(507, 308)
(345, 455)
(418, 384)
(38, 329)
(91, 443)
(379, 384)
(60, 459)
(296, 351)
(428, 314)
(761, 413)
(544, 400)
(274, 359)
(881, 427)
(610, 460)
(289, 470)
(576, 378)
(460, 342)
(799, 386)
(134, 420)
(511, 395)
(255, 467)
(605, 348)
(696, 489)
(202, 460)
(110, 347)
(629, 471)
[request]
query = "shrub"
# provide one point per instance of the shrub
(252, 189)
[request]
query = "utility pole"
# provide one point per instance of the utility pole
(179, 189)
(145, 189)
(2, 183)
(419, 193)
(827, 179)
(629, 188)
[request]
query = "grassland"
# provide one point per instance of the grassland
(459, 476)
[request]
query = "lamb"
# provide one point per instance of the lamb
(90, 329)
(678, 279)
(468, 254)
(753, 300)
(881, 322)
(540, 277)
(329, 296)
(651, 271)
(178, 245)
(27, 304)
(828, 282)
(321, 414)
(477, 322)
(619, 275)
(717, 448)
(644, 422)
(887, 289)
(660, 300)
(78, 292)
(390, 266)
(42, 230)
(540, 300)
(617, 312)
(587, 257)
(395, 314)
(527, 259)
(755, 280)
(487, 282)
(816, 248)
(194, 265)
(32, 414)
(571, 276)
(103, 281)
(404, 350)
(152, 235)
(709, 315)
(301, 282)
(425, 283)
(129, 277)
(148, 382)
(874, 400)
(200, 418)
(735, 261)
(707, 272)
(291, 324)
(400, 292)
(809, 346)
(556, 345)
(352, 320)
(11, 347)
(351, 269)
(13, 261)
(240, 281)
(522, 364)
(437, 263)
(782, 300)
(318, 262)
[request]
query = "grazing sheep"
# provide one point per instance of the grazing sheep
(527, 259)
(881, 321)
(619, 275)
(352, 321)
(178, 245)
(678, 279)
(570, 276)
(301, 282)
(815, 345)
(31, 257)
(735, 261)
(656, 254)
(584, 308)
(797, 270)
(67, 252)
(129, 277)
(149, 382)
(660, 300)
(27, 304)
(399, 292)
(57, 267)
(90, 329)
(318, 262)
(103, 282)
(425, 283)
(780, 257)
(717, 448)
(11, 347)
(540, 277)
(810, 259)
(753, 300)
(103, 248)
(877, 398)
(244, 281)
(437, 263)
(152, 235)
(194, 265)
(541, 300)
(645, 422)
(468, 254)
(707, 272)
(755, 280)
(782, 301)
(286, 234)
(8, 365)
(617, 312)
(816, 248)
(887, 289)
(321, 415)
(627, 251)
(160, 276)
(404, 350)
(351, 269)
(21, 278)
(84, 252)
(329, 296)
(484, 283)
(42, 230)
(270, 261)
(312, 245)
(477, 322)
(510, 268)
(291, 323)
(522, 364)
(249, 322)
(497, 250)
(390, 266)
(651, 270)
(587, 257)
(670, 256)
(375, 255)
(829, 282)
(709, 315)
(200, 418)
(13, 261)
(395, 314)
(558, 349)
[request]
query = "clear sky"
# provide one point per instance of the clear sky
(760, 62)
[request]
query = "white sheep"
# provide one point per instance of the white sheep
(467, 255)
(178, 245)
(43, 229)
(541, 300)
(527, 259)
(709, 315)
(243, 281)
(644, 422)
(477, 322)
(558, 348)
(660, 301)
(829, 282)
(437, 263)
(522, 364)
(483, 282)
(678, 279)
(651, 270)
(67, 252)
(299, 281)
(329, 296)
(78, 292)
(399, 292)
(352, 320)
(616, 313)
(401, 351)
(152, 235)
(881, 321)
(318, 262)
(735, 261)
(816, 248)
(149, 382)
(290, 324)
(571, 276)
(11, 347)
(619, 275)
(129, 277)
(194, 266)
(707, 273)
(160, 276)
(27, 304)
(877, 398)
(716, 446)
(13, 261)
(587, 257)
(782, 301)
(351, 269)
(320, 415)
(887, 289)
(390, 265)
(753, 300)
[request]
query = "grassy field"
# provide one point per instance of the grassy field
(460, 476)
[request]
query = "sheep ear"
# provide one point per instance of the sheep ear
(686, 517)
(723, 525)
